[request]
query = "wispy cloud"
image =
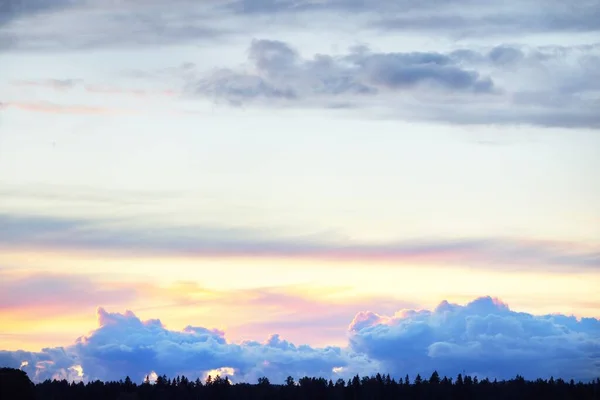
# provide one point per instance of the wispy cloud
(430, 16)
(46, 107)
(38, 25)
(47, 193)
(69, 84)
(57, 84)
(53, 108)
(43, 297)
(35, 232)
(51, 294)
(495, 18)
(79, 24)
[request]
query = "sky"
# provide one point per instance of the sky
(310, 187)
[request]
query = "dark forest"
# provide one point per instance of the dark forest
(16, 385)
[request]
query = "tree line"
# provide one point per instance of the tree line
(15, 385)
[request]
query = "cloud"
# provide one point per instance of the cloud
(14, 9)
(433, 17)
(44, 294)
(495, 18)
(278, 72)
(125, 345)
(68, 84)
(112, 236)
(81, 24)
(53, 108)
(47, 193)
(505, 84)
(36, 299)
(40, 25)
(483, 337)
(46, 107)
(57, 84)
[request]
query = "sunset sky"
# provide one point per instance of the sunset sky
(398, 186)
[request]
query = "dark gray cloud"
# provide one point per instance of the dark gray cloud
(117, 237)
(495, 20)
(456, 17)
(278, 72)
(40, 25)
(97, 23)
(483, 338)
(548, 86)
(14, 9)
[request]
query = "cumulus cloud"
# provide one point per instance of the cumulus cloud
(484, 337)
(279, 72)
(505, 84)
(125, 345)
(112, 236)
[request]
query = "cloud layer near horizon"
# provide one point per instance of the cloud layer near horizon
(484, 338)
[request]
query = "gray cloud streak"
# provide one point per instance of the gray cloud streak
(203, 241)
(167, 22)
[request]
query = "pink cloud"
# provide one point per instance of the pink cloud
(53, 108)
(128, 91)
(44, 295)
(69, 84)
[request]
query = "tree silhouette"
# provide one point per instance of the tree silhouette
(14, 384)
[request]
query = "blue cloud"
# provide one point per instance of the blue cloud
(280, 73)
(158, 22)
(447, 87)
(482, 338)
(125, 345)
